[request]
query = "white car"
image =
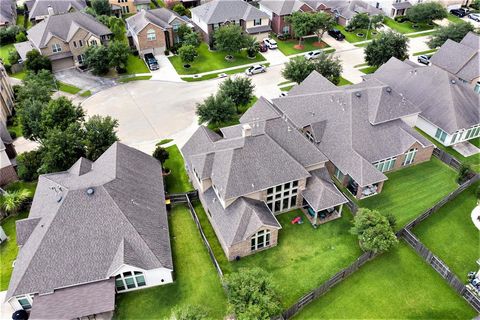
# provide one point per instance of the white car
(312, 54)
(255, 69)
(270, 43)
(474, 16)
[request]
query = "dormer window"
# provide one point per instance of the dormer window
(151, 36)
(56, 48)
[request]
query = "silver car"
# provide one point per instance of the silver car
(255, 69)
(313, 54)
(474, 16)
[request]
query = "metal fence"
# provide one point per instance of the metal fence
(447, 158)
(181, 197)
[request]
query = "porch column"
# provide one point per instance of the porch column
(340, 210)
(315, 219)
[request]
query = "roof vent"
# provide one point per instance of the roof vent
(453, 81)
(90, 191)
(389, 90)
(358, 94)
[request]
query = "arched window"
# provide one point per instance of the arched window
(129, 280)
(151, 35)
(260, 240)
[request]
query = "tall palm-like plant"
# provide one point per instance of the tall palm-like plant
(12, 201)
(252, 46)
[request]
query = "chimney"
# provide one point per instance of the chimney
(246, 130)
(50, 10)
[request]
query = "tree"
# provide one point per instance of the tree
(389, 44)
(229, 38)
(297, 69)
(328, 66)
(20, 37)
(187, 54)
(375, 232)
(59, 114)
(180, 9)
(96, 57)
(453, 31)
(36, 62)
(322, 22)
(28, 164)
(37, 86)
(359, 21)
(191, 39)
(100, 134)
(118, 55)
(13, 57)
(161, 154)
(252, 46)
(101, 7)
(189, 312)
(9, 34)
(251, 294)
(426, 12)
(302, 24)
(29, 113)
(239, 89)
(463, 173)
(13, 201)
(216, 109)
(117, 26)
(183, 30)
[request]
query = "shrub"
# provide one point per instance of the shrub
(13, 201)
(20, 37)
(28, 165)
(400, 19)
(12, 134)
(478, 192)
(189, 312)
(161, 154)
(36, 62)
(463, 173)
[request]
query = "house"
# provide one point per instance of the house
(8, 13)
(279, 10)
(450, 110)
(97, 229)
(39, 10)
(255, 171)
(7, 157)
(64, 38)
(461, 59)
(6, 96)
(210, 16)
(394, 8)
(154, 30)
(344, 11)
(131, 6)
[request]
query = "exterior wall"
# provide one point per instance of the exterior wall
(6, 96)
(250, 23)
(128, 3)
(7, 175)
(431, 130)
(411, 120)
(422, 155)
(158, 45)
(243, 248)
(48, 50)
(153, 277)
(360, 190)
(79, 50)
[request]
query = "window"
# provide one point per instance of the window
(409, 157)
(74, 44)
(385, 165)
(93, 42)
(25, 302)
(260, 240)
(477, 87)
(129, 280)
(454, 138)
(151, 36)
(339, 174)
(81, 59)
(125, 9)
(282, 197)
(441, 135)
(175, 27)
(286, 29)
(309, 136)
(257, 22)
(56, 48)
(80, 43)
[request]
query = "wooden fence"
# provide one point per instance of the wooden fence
(447, 158)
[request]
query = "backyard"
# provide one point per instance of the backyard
(287, 47)
(398, 284)
(407, 26)
(212, 60)
(451, 234)
(4, 51)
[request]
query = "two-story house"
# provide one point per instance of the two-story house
(279, 10)
(130, 6)
(64, 38)
(8, 13)
(38, 10)
(6, 95)
(154, 30)
(7, 157)
(212, 15)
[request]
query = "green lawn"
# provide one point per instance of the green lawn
(287, 88)
(454, 19)
(130, 79)
(368, 70)
(410, 191)
(427, 52)
(212, 60)
(473, 161)
(177, 181)
(4, 51)
(451, 234)
(407, 26)
(215, 75)
(20, 75)
(20, 21)
(304, 257)
(353, 36)
(68, 88)
(86, 93)
(396, 285)
(287, 47)
(343, 82)
(236, 119)
(136, 65)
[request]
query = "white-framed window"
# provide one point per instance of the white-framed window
(440, 135)
(386, 164)
(74, 44)
(286, 29)
(93, 42)
(81, 59)
(175, 27)
(80, 43)
(257, 22)
(339, 174)
(409, 157)
(56, 48)
(151, 36)
(25, 301)
(129, 280)
(309, 136)
(125, 9)
(282, 197)
(260, 240)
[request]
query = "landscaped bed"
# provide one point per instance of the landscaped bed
(212, 60)
(289, 47)
(451, 234)
(407, 26)
(395, 285)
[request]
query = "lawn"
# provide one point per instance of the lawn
(396, 285)
(136, 65)
(426, 52)
(86, 93)
(212, 60)
(177, 181)
(451, 234)
(353, 36)
(287, 88)
(287, 47)
(304, 257)
(410, 191)
(20, 75)
(343, 82)
(130, 79)
(4, 51)
(215, 75)
(368, 70)
(454, 19)
(407, 26)
(473, 161)
(21, 19)
(68, 88)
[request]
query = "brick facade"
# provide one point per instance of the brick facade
(7, 175)
(160, 43)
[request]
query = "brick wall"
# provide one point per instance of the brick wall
(7, 175)
(243, 248)
(159, 43)
(423, 154)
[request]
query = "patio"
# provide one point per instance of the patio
(466, 149)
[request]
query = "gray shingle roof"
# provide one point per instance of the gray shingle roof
(283, 7)
(7, 12)
(64, 26)
(123, 221)
(219, 11)
(348, 9)
(402, 5)
(315, 82)
(261, 110)
(160, 17)
(258, 29)
(321, 193)
(40, 7)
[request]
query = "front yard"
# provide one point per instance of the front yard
(407, 26)
(287, 47)
(212, 60)
(136, 65)
(451, 234)
(355, 36)
(398, 284)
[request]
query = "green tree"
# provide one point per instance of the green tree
(29, 113)
(297, 69)
(359, 21)
(37, 86)
(59, 114)
(28, 164)
(216, 109)
(187, 54)
(328, 66)
(161, 154)
(118, 55)
(191, 39)
(101, 7)
(117, 26)
(13, 201)
(463, 173)
(252, 46)
(229, 38)
(13, 57)
(180, 9)
(251, 294)
(475, 4)
(239, 89)
(375, 232)
(389, 44)
(426, 12)
(36, 62)
(100, 134)
(20, 37)
(189, 312)
(182, 31)
(453, 31)
(322, 22)
(96, 57)
(302, 24)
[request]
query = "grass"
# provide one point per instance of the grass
(304, 257)
(212, 60)
(287, 47)
(410, 191)
(343, 82)
(130, 79)
(177, 181)
(424, 34)
(454, 19)
(352, 37)
(398, 284)
(284, 82)
(20, 75)
(164, 141)
(136, 65)
(235, 120)
(86, 93)
(4, 51)
(368, 69)
(473, 161)
(215, 75)
(68, 88)
(16, 126)
(451, 234)
(361, 65)
(407, 26)
(287, 88)
(21, 20)
(427, 52)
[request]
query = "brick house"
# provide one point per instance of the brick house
(154, 30)
(7, 157)
(6, 96)
(130, 6)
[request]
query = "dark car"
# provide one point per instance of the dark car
(336, 34)
(424, 59)
(459, 12)
(152, 63)
(263, 47)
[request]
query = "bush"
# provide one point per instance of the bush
(9, 34)
(400, 19)
(464, 173)
(166, 52)
(20, 37)
(28, 165)
(161, 154)
(189, 312)
(12, 134)
(36, 62)
(478, 192)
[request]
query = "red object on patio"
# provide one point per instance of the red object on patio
(296, 220)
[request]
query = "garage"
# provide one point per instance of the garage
(63, 63)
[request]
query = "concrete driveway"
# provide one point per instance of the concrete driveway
(84, 80)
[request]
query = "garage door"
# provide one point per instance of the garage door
(61, 64)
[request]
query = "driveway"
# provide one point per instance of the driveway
(84, 80)
(166, 72)
(275, 57)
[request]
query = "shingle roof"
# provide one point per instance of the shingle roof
(40, 7)
(123, 221)
(219, 11)
(7, 12)
(160, 17)
(402, 5)
(348, 9)
(321, 193)
(4, 134)
(283, 7)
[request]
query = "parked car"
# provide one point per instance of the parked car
(424, 59)
(461, 12)
(270, 43)
(255, 69)
(313, 54)
(474, 16)
(263, 47)
(336, 34)
(152, 63)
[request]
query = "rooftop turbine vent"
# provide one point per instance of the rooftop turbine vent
(90, 191)
(389, 90)
(358, 94)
